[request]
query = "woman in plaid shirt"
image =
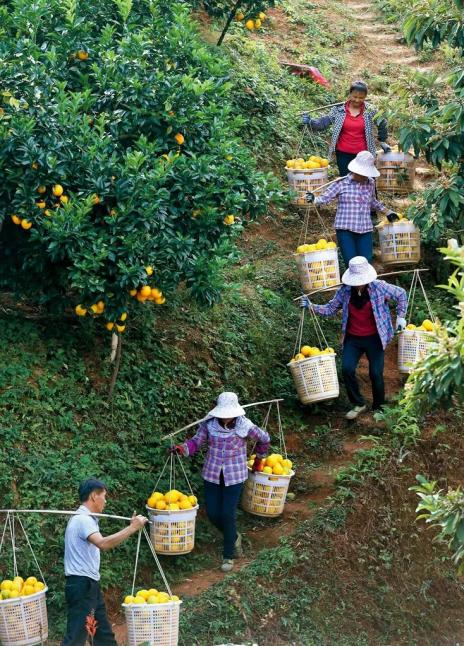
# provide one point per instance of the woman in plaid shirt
(226, 431)
(356, 199)
(367, 327)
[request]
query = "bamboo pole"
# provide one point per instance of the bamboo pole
(198, 421)
(322, 107)
(62, 512)
(337, 179)
(334, 287)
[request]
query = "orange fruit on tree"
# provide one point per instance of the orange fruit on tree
(179, 137)
(40, 204)
(257, 23)
(64, 199)
(82, 55)
(145, 291)
(123, 316)
(133, 292)
(15, 219)
(120, 328)
(109, 326)
(41, 189)
(57, 190)
(80, 311)
(149, 270)
(250, 25)
(26, 224)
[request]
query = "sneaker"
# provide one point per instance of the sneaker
(238, 550)
(227, 565)
(354, 412)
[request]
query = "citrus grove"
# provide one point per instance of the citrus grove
(124, 174)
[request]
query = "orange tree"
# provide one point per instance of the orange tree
(123, 172)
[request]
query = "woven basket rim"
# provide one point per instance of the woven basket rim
(273, 475)
(306, 170)
(24, 598)
(413, 332)
(151, 606)
(318, 356)
(169, 512)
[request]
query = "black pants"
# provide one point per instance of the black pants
(343, 159)
(82, 596)
(221, 506)
(353, 349)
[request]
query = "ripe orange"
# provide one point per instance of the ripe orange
(41, 204)
(82, 55)
(239, 16)
(15, 219)
(120, 328)
(80, 311)
(26, 224)
(250, 25)
(57, 190)
(149, 270)
(41, 189)
(146, 291)
(123, 316)
(64, 199)
(109, 326)
(179, 138)
(140, 298)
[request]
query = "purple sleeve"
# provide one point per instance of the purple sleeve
(399, 295)
(323, 122)
(197, 440)
(332, 307)
(262, 439)
(376, 204)
(330, 194)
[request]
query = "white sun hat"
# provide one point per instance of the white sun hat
(363, 164)
(227, 406)
(359, 272)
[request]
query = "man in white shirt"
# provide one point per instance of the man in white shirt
(82, 544)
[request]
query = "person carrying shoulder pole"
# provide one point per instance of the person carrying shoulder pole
(356, 198)
(367, 327)
(82, 544)
(226, 431)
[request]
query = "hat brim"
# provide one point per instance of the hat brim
(226, 412)
(360, 169)
(355, 280)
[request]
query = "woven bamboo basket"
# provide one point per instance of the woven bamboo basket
(315, 378)
(264, 494)
(157, 624)
(305, 180)
(400, 243)
(397, 172)
(318, 269)
(24, 621)
(172, 532)
(413, 346)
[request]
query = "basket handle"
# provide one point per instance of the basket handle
(317, 327)
(416, 279)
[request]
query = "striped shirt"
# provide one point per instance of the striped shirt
(81, 558)
(356, 200)
(380, 294)
(227, 449)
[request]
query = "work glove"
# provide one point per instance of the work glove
(400, 324)
(310, 197)
(305, 302)
(306, 119)
(392, 216)
(385, 147)
(177, 448)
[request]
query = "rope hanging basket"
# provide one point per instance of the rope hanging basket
(306, 174)
(23, 619)
(399, 243)
(152, 617)
(416, 343)
(317, 263)
(314, 371)
(397, 172)
(173, 532)
(157, 624)
(264, 494)
(172, 515)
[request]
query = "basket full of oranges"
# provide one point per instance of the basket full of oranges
(305, 175)
(265, 490)
(172, 516)
(23, 612)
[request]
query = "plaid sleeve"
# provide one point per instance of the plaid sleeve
(376, 204)
(329, 195)
(262, 439)
(332, 307)
(197, 440)
(399, 295)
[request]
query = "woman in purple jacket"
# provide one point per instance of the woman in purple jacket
(226, 431)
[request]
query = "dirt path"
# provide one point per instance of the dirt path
(376, 47)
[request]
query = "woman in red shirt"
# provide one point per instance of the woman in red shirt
(353, 125)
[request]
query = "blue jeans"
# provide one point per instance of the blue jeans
(354, 244)
(221, 506)
(353, 349)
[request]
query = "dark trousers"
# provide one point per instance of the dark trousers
(343, 159)
(82, 596)
(221, 506)
(353, 349)
(355, 244)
